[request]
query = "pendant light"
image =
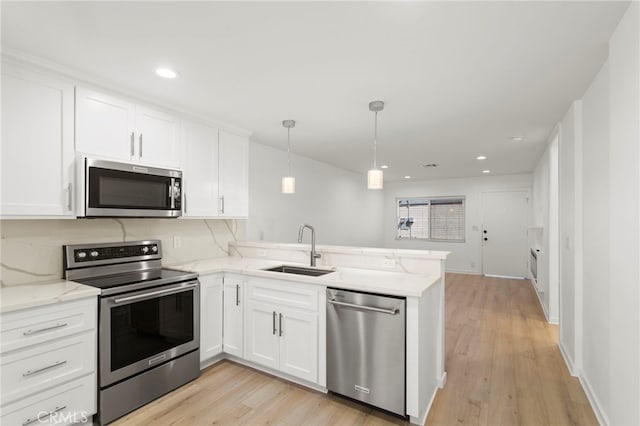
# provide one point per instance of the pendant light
(289, 182)
(375, 175)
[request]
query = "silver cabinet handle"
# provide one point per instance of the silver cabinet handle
(40, 330)
(237, 294)
(42, 416)
(32, 372)
(274, 323)
(140, 145)
(132, 148)
(69, 196)
(154, 293)
(184, 200)
(365, 308)
(222, 204)
(280, 325)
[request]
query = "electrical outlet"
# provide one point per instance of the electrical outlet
(177, 243)
(389, 263)
(262, 253)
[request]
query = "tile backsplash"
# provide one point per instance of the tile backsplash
(31, 250)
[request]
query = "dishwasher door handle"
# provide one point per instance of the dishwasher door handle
(365, 308)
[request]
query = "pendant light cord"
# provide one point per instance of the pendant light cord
(375, 143)
(289, 149)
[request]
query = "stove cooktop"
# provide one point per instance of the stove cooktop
(120, 283)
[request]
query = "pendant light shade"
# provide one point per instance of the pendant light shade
(375, 176)
(288, 185)
(374, 179)
(289, 182)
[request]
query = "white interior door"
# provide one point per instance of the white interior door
(505, 249)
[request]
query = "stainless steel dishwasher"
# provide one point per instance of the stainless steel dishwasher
(366, 348)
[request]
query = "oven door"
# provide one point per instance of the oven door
(129, 190)
(142, 329)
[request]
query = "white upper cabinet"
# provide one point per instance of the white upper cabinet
(200, 171)
(37, 144)
(216, 172)
(112, 127)
(157, 137)
(105, 125)
(234, 175)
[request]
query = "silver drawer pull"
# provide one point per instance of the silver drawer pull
(365, 308)
(40, 330)
(32, 372)
(41, 417)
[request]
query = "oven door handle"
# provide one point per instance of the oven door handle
(154, 293)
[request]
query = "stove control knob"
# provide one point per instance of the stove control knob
(94, 254)
(154, 249)
(145, 249)
(81, 255)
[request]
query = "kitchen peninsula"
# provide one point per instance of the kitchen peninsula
(240, 298)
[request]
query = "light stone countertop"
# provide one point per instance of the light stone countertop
(394, 252)
(392, 283)
(24, 296)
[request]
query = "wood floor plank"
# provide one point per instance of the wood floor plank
(502, 360)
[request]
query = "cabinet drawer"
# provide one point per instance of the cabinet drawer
(295, 295)
(38, 325)
(31, 370)
(73, 402)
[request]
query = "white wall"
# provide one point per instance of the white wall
(624, 218)
(465, 257)
(595, 207)
(335, 201)
(570, 162)
(600, 217)
(544, 231)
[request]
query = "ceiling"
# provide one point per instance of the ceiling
(459, 79)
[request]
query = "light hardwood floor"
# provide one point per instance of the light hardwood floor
(502, 362)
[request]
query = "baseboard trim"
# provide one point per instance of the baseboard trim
(462, 271)
(442, 380)
(544, 308)
(593, 400)
(567, 359)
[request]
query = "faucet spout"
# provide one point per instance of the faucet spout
(314, 255)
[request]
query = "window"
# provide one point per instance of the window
(435, 219)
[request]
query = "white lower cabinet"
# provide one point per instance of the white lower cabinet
(210, 316)
(280, 336)
(48, 364)
(233, 322)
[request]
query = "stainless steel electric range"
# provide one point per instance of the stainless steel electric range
(149, 322)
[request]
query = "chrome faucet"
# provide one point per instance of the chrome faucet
(314, 255)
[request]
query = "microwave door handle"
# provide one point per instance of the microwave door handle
(172, 198)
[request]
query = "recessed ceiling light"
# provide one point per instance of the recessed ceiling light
(407, 177)
(166, 73)
(486, 171)
(517, 138)
(384, 166)
(481, 157)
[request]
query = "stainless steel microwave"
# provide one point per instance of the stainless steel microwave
(129, 190)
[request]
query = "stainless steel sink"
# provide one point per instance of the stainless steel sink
(299, 270)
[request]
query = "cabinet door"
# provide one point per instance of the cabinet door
(261, 334)
(233, 314)
(157, 137)
(200, 171)
(105, 125)
(210, 316)
(37, 144)
(234, 175)
(299, 344)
